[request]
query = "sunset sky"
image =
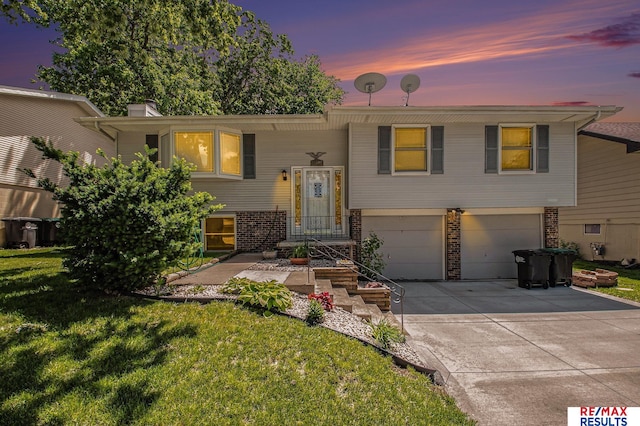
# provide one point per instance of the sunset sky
(466, 52)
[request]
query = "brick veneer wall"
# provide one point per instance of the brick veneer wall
(551, 233)
(355, 223)
(260, 230)
(453, 246)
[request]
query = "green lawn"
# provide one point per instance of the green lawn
(74, 356)
(628, 280)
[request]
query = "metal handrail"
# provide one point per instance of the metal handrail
(396, 289)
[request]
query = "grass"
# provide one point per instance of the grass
(628, 280)
(70, 355)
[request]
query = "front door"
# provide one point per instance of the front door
(317, 202)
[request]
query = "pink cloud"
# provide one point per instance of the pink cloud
(622, 34)
(527, 36)
(570, 103)
(634, 74)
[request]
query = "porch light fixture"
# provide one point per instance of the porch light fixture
(284, 175)
(457, 210)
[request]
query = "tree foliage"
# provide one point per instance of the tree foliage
(193, 57)
(126, 223)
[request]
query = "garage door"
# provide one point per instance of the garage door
(488, 241)
(413, 245)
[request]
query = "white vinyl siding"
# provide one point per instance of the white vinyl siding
(275, 151)
(464, 183)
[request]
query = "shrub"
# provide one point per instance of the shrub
(571, 245)
(324, 298)
(385, 333)
(370, 255)
(315, 315)
(300, 251)
(127, 223)
(269, 295)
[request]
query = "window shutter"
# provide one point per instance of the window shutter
(384, 150)
(249, 156)
(491, 149)
(542, 149)
(152, 142)
(437, 150)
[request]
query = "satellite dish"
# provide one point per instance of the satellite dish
(409, 84)
(370, 83)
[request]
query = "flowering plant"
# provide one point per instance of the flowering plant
(325, 299)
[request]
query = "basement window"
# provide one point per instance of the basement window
(220, 233)
(592, 229)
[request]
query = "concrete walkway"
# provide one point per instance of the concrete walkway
(514, 356)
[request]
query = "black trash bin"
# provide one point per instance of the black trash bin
(561, 268)
(50, 235)
(533, 268)
(21, 232)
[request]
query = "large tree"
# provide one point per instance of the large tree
(190, 56)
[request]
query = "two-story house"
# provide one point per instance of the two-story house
(452, 191)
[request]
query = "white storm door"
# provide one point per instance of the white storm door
(318, 201)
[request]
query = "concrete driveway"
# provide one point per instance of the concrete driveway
(514, 356)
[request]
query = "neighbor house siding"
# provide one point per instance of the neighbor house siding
(22, 117)
(607, 195)
(607, 183)
(464, 182)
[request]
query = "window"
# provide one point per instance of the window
(592, 229)
(220, 233)
(216, 153)
(410, 149)
(152, 143)
(196, 148)
(230, 153)
(516, 148)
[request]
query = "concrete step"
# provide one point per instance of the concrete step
(302, 282)
(341, 298)
(393, 320)
(360, 308)
(322, 285)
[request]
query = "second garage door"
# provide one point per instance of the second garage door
(413, 245)
(488, 242)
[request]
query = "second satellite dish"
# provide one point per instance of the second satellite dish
(370, 83)
(409, 84)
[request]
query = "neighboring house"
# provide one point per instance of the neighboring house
(25, 113)
(606, 221)
(452, 191)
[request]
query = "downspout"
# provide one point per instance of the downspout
(593, 120)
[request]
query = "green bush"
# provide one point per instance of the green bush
(268, 295)
(371, 256)
(126, 223)
(315, 314)
(385, 333)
